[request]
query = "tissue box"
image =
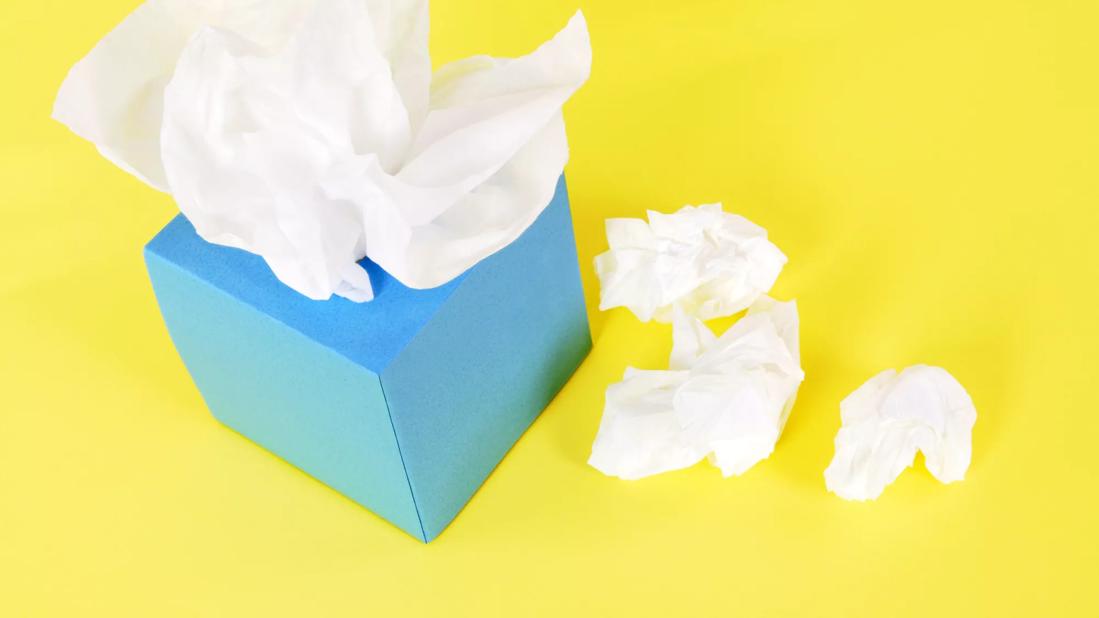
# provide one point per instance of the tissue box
(404, 404)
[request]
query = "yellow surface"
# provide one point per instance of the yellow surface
(932, 171)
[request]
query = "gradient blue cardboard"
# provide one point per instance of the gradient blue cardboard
(404, 404)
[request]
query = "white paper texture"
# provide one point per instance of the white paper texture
(891, 417)
(313, 133)
(726, 398)
(700, 260)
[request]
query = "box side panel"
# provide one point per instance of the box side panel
(470, 383)
(298, 399)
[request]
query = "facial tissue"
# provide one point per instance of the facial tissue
(314, 133)
(699, 260)
(888, 419)
(726, 398)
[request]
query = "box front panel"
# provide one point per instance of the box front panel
(300, 400)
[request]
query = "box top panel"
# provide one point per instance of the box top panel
(370, 334)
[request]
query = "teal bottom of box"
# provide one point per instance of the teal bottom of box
(404, 404)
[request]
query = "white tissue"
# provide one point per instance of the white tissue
(313, 133)
(725, 397)
(701, 260)
(888, 419)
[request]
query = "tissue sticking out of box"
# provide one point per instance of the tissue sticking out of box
(313, 133)
(701, 260)
(889, 418)
(724, 397)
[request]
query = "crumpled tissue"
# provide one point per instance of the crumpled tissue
(889, 418)
(313, 133)
(724, 397)
(700, 260)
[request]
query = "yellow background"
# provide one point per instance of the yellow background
(930, 168)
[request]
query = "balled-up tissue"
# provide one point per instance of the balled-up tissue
(724, 397)
(700, 260)
(888, 419)
(313, 133)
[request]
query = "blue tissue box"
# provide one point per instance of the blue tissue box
(404, 404)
